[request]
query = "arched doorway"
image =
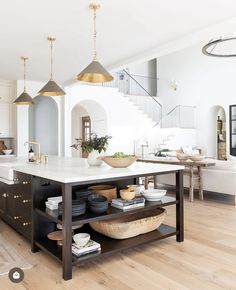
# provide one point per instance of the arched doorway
(87, 117)
(43, 124)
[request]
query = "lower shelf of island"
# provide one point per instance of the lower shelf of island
(109, 246)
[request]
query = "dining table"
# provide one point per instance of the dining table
(192, 168)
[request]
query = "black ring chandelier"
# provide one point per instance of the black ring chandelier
(210, 47)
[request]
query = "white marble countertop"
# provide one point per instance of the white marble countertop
(69, 170)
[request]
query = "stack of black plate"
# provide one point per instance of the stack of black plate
(78, 207)
(83, 194)
(97, 203)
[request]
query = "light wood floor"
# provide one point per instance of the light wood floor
(205, 260)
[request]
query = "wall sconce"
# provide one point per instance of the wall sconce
(173, 85)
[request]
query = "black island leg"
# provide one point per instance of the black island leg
(66, 231)
(180, 206)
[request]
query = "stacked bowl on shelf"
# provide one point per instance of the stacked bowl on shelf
(78, 207)
(97, 203)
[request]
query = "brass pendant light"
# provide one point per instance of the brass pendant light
(24, 98)
(94, 72)
(51, 88)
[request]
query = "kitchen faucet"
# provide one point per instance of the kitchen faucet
(38, 155)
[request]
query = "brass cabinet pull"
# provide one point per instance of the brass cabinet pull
(26, 200)
(4, 195)
(26, 182)
(17, 217)
(26, 224)
(17, 196)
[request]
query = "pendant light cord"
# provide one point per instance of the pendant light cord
(24, 59)
(94, 35)
(51, 60)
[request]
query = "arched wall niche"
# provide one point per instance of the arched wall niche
(217, 127)
(44, 124)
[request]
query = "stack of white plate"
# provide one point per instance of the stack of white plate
(153, 194)
(52, 202)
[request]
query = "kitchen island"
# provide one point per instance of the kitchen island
(61, 176)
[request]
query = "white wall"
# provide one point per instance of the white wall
(145, 74)
(202, 81)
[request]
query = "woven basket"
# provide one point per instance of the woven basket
(119, 162)
(131, 225)
(109, 191)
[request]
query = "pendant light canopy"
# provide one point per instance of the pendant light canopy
(24, 98)
(51, 88)
(95, 72)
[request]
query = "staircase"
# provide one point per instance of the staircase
(136, 88)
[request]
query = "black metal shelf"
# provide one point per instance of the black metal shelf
(109, 246)
(112, 212)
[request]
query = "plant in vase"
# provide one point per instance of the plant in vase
(95, 147)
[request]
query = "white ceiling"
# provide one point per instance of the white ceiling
(126, 28)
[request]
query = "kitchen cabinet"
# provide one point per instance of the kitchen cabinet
(15, 206)
(5, 120)
(232, 128)
(3, 203)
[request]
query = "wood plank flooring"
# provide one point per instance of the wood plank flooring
(205, 260)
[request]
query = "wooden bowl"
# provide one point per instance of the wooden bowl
(127, 194)
(119, 162)
(197, 157)
(182, 156)
(109, 191)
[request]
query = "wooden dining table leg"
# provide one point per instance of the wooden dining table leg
(146, 182)
(191, 186)
(199, 170)
(155, 181)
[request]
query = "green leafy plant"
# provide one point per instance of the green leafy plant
(119, 155)
(95, 143)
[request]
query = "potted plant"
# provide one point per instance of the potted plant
(95, 147)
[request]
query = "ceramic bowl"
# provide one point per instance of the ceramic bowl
(135, 187)
(153, 194)
(81, 239)
(182, 156)
(127, 195)
(7, 151)
(96, 199)
(196, 157)
(98, 209)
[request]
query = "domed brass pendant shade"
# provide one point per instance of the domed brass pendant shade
(51, 88)
(24, 98)
(95, 72)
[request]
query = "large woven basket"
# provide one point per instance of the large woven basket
(109, 191)
(131, 225)
(119, 162)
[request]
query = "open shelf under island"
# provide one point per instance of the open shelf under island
(64, 175)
